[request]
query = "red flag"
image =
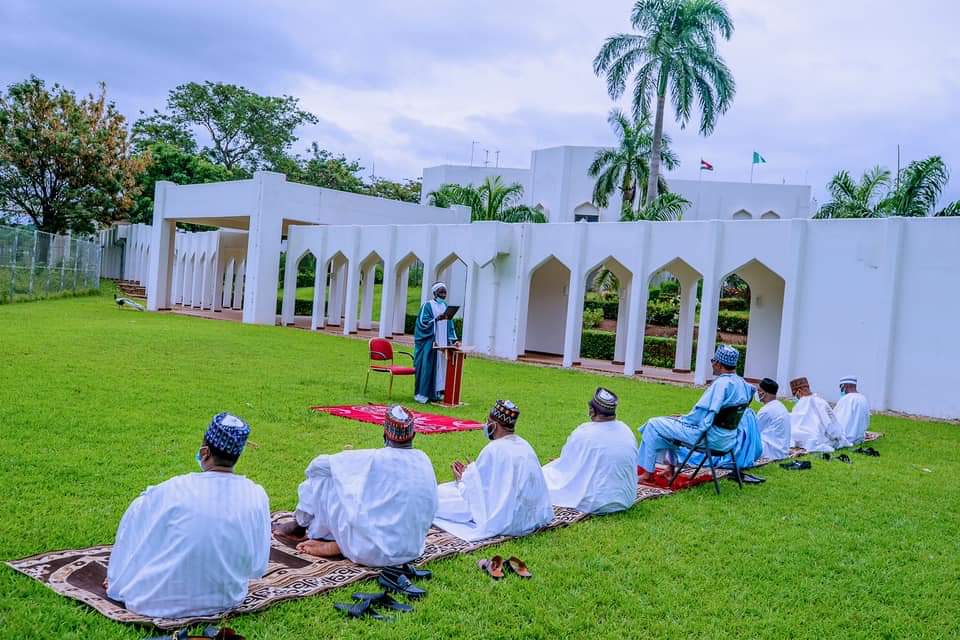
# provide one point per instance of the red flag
(705, 166)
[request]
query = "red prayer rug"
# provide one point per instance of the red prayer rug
(425, 423)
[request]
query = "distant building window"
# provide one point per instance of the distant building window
(770, 215)
(743, 214)
(586, 212)
(585, 217)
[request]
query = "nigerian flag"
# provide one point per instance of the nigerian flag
(758, 159)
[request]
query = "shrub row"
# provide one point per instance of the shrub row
(734, 304)
(410, 324)
(733, 322)
(657, 352)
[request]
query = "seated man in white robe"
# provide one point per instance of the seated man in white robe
(373, 506)
(727, 390)
(597, 468)
(774, 421)
(813, 425)
(188, 546)
(502, 492)
(852, 411)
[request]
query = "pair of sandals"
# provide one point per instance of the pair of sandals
(393, 580)
(869, 451)
(496, 566)
(368, 603)
(844, 458)
(209, 633)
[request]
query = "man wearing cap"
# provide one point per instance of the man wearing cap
(430, 364)
(813, 425)
(852, 411)
(188, 546)
(773, 420)
(374, 506)
(502, 492)
(727, 390)
(597, 468)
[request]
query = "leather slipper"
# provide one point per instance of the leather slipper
(869, 451)
(492, 567)
(796, 465)
(747, 478)
(383, 599)
(414, 573)
(519, 567)
(844, 458)
(399, 583)
(361, 609)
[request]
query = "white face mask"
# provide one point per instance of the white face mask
(759, 397)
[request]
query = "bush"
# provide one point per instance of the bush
(410, 325)
(592, 318)
(663, 314)
(670, 287)
(300, 307)
(598, 345)
(734, 304)
(733, 322)
(608, 307)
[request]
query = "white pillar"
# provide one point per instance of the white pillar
(709, 308)
(290, 291)
(319, 294)
(338, 278)
(228, 283)
(367, 285)
(686, 321)
(238, 280)
(219, 264)
(575, 294)
(792, 294)
(469, 303)
(263, 251)
(177, 284)
(161, 263)
(633, 358)
(197, 281)
(623, 321)
(401, 286)
(204, 281)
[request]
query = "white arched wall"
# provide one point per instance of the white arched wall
(401, 284)
(625, 280)
(688, 279)
(766, 319)
(547, 308)
(368, 271)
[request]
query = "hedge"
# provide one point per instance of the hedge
(609, 307)
(663, 314)
(734, 304)
(657, 352)
(410, 324)
(733, 322)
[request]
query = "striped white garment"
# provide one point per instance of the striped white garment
(188, 546)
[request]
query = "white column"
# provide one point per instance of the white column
(686, 321)
(290, 291)
(469, 303)
(429, 266)
(366, 298)
(219, 264)
(204, 281)
(319, 294)
(161, 262)
(633, 358)
(198, 264)
(238, 280)
(177, 285)
(353, 287)
(401, 286)
(709, 307)
(228, 283)
(623, 322)
(263, 251)
(576, 292)
(338, 278)
(792, 294)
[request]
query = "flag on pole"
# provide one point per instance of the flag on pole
(705, 166)
(758, 159)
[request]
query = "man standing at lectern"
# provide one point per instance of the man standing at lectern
(433, 328)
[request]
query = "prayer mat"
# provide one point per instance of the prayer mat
(425, 423)
(79, 574)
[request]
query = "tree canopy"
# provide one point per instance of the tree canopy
(492, 200)
(64, 163)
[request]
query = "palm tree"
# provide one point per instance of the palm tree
(914, 194)
(675, 51)
(665, 207)
(849, 199)
(492, 200)
(626, 166)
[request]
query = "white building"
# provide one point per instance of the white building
(558, 182)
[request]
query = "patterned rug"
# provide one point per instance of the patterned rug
(79, 574)
(425, 423)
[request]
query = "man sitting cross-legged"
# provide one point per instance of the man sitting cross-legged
(597, 468)
(501, 493)
(188, 546)
(813, 425)
(373, 506)
(852, 411)
(728, 390)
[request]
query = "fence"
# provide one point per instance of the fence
(36, 264)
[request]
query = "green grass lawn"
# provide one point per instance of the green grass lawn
(98, 403)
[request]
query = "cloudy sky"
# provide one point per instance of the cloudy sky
(821, 85)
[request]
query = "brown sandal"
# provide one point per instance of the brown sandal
(519, 567)
(492, 567)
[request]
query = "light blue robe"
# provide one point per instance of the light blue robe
(748, 449)
(727, 390)
(424, 355)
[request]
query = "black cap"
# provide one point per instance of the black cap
(769, 385)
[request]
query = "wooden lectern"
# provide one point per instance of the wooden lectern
(454, 375)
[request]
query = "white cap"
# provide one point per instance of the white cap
(437, 287)
(848, 380)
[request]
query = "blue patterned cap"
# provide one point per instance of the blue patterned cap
(506, 413)
(228, 433)
(727, 356)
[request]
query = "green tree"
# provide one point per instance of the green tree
(674, 50)
(407, 191)
(665, 207)
(246, 130)
(169, 162)
(321, 168)
(625, 167)
(64, 163)
(914, 194)
(492, 200)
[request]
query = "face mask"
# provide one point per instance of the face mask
(843, 391)
(759, 398)
(199, 460)
(488, 430)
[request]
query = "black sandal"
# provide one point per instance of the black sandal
(361, 609)
(413, 572)
(383, 599)
(869, 451)
(796, 465)
(393, 580)
(844, 458)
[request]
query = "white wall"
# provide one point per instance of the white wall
(547, 311)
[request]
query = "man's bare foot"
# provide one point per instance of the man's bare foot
(646, 477)
(106, 584)
(321, 548)
(290, 532)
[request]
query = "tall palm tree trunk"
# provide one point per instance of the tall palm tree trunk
(654, 178)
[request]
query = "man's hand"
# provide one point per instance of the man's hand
(456, 343)
(458, 468)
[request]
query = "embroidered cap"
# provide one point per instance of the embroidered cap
(398, 425)
(506, 413)
(727, 356)
(798, 383)
(604, 401)
(227, 433)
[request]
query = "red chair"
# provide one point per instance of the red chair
(381, 361)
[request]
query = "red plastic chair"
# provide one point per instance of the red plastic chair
(381, 361)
